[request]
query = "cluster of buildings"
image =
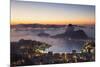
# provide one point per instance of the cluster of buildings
(54, 58)
(37, 57)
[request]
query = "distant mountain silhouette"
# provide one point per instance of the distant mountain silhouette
(80, 34)
(37, 26)
(70, 33)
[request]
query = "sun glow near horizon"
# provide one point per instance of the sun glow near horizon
(50, 13)
(58, 22)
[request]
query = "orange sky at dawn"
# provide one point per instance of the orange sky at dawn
(57, 22)
(50, 13)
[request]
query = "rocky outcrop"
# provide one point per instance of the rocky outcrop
(44, 34)
(70, 33)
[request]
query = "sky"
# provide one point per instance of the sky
(23, 12)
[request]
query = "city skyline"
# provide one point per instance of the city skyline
(51, 13)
